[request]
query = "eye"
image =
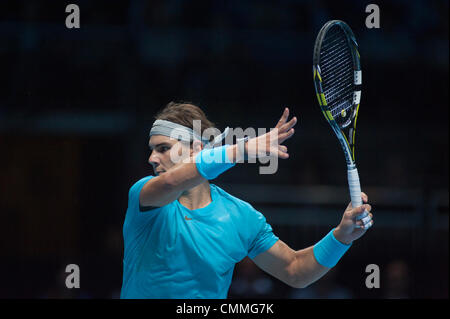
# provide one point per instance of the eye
(163, 149)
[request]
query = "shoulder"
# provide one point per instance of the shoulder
(137, 186)
(135, 211)
(229, 199)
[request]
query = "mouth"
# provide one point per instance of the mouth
(159, 172)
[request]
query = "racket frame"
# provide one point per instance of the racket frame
(348, 145)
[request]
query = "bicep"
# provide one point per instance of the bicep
(154, 193)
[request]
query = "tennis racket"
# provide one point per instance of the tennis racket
(337, 80)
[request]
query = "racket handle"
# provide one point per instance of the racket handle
(355, 190)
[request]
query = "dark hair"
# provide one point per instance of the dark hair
(184, 113)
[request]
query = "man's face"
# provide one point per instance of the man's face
(166, 152)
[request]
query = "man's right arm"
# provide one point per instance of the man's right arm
(167, 187)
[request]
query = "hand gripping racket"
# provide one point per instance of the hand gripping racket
(337, 80)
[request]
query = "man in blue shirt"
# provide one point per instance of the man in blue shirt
(183, 235)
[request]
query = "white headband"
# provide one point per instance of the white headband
(183, 133)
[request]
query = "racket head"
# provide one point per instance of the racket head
(337, 80)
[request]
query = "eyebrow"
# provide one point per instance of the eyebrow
(160, 144)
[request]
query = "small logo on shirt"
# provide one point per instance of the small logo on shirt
(187, 218)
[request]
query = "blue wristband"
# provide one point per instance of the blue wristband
(213, 162)
(329, 250)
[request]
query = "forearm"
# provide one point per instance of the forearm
(168, 186)
(306, 270)
(192, 172)
(236, 152)
(184, 176)
(298, 268)
(313, 262)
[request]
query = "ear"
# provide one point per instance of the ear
(196, 146)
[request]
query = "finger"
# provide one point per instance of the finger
(365, 226)
(364, 197)
(284, 136)
(283, 155)
(287, 126)
(359, 224)
(283, 118)
(282, 148)
(368, 225)
(365, 220)
(355, 212)
(365, 213)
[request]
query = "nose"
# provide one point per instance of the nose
(153, 159)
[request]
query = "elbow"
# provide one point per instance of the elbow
(298, 282)
(150, 194)
(297, 278)
(303, 285)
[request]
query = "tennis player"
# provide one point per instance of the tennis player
(183, 235)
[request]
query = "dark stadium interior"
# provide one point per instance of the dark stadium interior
(76, 106)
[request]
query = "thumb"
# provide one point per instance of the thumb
(357, 211)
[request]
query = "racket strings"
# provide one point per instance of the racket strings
(337, 79)
(337, 72)
(336, 91)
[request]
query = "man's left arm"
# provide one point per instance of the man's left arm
(303, 267)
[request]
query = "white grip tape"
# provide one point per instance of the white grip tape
(355, 190)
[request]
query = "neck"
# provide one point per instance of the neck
(196, 197)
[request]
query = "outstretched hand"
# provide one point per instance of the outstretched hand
(269, 144)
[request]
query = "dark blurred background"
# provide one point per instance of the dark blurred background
(76, 106)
